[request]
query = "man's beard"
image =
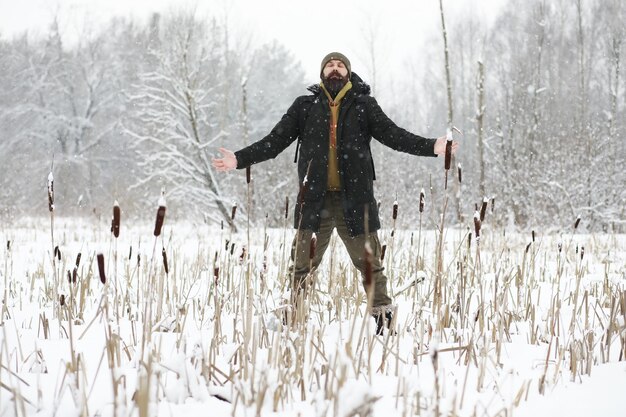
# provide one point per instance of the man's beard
(334, 82)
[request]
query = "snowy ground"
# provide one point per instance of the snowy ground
(522, 328)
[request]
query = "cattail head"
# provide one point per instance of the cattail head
(130, 253)
(69, 277)
(532, 233)
(422, 200)
(233, 211)
(62, 300)
(103, 278)
(8, 245)
(243, 255)
(528, 247)
(460, 172)
(165, 265)
(248, 175)
(160, 217)
(78, 260)
(74, 275)
(115, 224)
(57, 252)
(560, 247)
(477, 225)
(394, 215)
(493, 204)
(483, 209)
(577, 222)
(582, 252)
(382, 252)
(50, 192)
(303, 188)
(286, 207)
(312, 246)
(448, 159)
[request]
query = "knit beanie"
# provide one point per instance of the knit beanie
(339, 56)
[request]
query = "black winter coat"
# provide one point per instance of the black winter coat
(360, 119)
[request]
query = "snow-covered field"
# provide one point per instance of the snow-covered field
(512, 327)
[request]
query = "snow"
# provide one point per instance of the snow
(529, 318)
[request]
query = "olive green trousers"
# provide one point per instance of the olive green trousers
(331, 218)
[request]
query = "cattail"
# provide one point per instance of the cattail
(78, 260)
(242, 257)
(312, 246)
(477, 225)
(158, 224)
(138, 260)
(533, 235)
(582, 252)
(216, 273)
(50, 192)
(577, 222)
(232, 249)
(233, 211)
(469, 240)
(560, 247)
(248, 175)
(528, 247)
(165, 266)
(62, 300)
(483, 209)
(130, 253)
(69, 277)
(459, 170)
(74, 275)
(57, 252)
(493, 204)
(395, 210)
(382, 252)
(422, 200)
(286, 207)
(115, 224)
(8, 245)
(448, 154)
(103, 278)
(303, 188)
(221, 224)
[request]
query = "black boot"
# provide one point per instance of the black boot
(384, 318)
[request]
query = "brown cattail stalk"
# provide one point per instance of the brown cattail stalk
(165, 266)
(460, 172)
(233, 211)
(477, 226)
(382, 252)
(78, 260)
(448, 158)
(57, 252)
(103, 278)
(493, 204)
(286, 207)
(577, 222)
(50, 192)
(395, 210)
(312, 246)
(422, 200)
(160, 217)
(115, 224)
(248, 175)
(483, 209)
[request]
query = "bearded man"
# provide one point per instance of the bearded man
(334, 126)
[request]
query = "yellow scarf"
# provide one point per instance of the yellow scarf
(334, 181)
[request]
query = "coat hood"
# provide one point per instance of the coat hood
(359, 86)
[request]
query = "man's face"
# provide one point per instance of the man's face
(335, 70)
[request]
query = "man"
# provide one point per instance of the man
(334, 127)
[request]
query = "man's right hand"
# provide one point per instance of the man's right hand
(227, 162)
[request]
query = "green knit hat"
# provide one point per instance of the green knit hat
(339, 56)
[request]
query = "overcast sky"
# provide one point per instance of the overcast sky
(310, 29)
